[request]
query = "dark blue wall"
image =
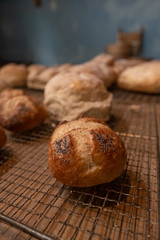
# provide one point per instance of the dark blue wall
(73, 30)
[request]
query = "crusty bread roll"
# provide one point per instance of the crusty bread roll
(64, 67)
(99, 69)
(40, 80)
(13, 75)
(70, 95)
(123, 63)
(104, 58)
(38, 76)
(142, 78)
(9, 93)
(20, 112)
(35, 67)
(86, 152)
(3, 137)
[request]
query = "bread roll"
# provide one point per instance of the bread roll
(39, 76)
(21, 113)
(70, 95)
(123, 63)
(64, 67)
(13, 75)
(9, 93)
(142, 78)
(99, 69)
(3, 137)
(86, 152)
(41, 79)
(36, 67)
(104, 58)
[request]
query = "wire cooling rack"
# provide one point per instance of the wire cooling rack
(34, 205)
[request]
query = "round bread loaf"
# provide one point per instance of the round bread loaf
(104, 58)
(9, 93)
(40, 80)
(21, 113)
(122, 63)
(64, 67)
(86, 152)
(13, 75)
(39, 75)
(144, 77)
(36, 68)
(34, 71)
(71, 95)
(3, 137)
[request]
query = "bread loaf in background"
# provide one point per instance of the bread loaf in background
(34, 70)
(19, 112)
(38, 81)
(104, 58)
(39, 75)
(144, 77)
(8, 93)
(68, 96)
(64, 67)
(13, 75)
(99, 69)
(123, 63)
(86, 152)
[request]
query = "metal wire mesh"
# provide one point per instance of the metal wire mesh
(126, 208)
(134, 97)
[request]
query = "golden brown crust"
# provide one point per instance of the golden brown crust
(123, 63)
(87, 154)
(3, 137)
(38, 77)
(36, 67)
(104, 58)
(21, 112)
(13, 75)
(9, 93)
(144, 77)
(104, 72)
(64, 67)
(85, 119)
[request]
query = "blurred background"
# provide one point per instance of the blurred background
(74, 31)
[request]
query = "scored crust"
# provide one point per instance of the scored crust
(86, 152)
